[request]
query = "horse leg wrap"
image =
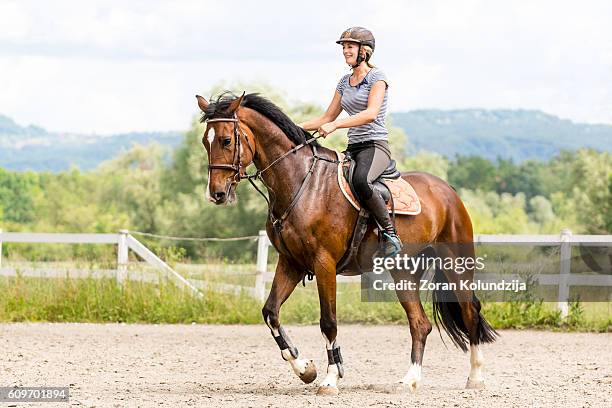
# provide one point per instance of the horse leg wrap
(334, 357)
(283, 344)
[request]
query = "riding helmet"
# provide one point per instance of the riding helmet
(361, 36)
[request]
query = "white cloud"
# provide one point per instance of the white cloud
(13, 20)
(118, 66)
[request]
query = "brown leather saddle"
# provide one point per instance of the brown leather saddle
(390, 173)
(349, 259)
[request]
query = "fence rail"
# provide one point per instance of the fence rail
(125, 242)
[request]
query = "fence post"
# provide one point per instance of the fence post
(565, 265)
(122, 257)
(262, 265)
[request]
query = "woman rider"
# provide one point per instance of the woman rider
(363, 95)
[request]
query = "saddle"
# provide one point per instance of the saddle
(397, 193)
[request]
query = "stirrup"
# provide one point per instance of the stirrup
(394, 241)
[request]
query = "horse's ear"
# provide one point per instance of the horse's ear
(202, 103)
(236, 103)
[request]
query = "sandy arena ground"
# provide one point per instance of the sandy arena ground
(240, 366)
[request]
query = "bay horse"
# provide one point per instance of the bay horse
(310, 224)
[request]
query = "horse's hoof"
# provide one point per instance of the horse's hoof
(327, 390)
(310, 373)
(474, 385)
(412, 386)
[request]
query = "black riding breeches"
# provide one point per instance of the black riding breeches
(371, 159)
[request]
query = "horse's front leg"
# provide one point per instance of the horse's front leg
(325, 271)
(285, 280)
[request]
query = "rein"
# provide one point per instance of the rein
(236, 166)
(237, 160)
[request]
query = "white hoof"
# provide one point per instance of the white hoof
(327, 390)
(474, 384)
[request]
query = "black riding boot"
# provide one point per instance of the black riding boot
(391, 241)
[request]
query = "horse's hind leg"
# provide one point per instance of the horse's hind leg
(459, 310)
(420, 327)
(285, 280)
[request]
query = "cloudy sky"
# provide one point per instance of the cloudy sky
(105, 66)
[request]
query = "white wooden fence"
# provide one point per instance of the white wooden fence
(125, 241)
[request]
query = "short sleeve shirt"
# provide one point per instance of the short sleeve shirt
(355, 100)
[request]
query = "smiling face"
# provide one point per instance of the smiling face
(350, 50)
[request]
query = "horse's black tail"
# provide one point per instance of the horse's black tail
(447, 313)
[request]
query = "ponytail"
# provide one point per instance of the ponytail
(368, 54)
(368, 51)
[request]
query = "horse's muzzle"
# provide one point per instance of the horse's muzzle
(219, 197)
(225, 197)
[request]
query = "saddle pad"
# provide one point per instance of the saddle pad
(405, 199)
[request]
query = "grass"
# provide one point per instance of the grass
(103, 300)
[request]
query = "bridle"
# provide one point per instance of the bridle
(236, 166)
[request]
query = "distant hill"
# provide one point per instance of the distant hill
(516, 134)
(33, 148)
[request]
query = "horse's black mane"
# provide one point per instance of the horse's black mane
(218, 109)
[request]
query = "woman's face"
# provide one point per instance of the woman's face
(350, 50)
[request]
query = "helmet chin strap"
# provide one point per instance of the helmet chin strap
(359, 58)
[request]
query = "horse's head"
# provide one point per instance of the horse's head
(230, 147)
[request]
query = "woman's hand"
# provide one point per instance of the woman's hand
(327, 128)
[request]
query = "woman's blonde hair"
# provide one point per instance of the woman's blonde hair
(368, 54)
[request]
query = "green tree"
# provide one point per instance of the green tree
(472, 172)
(132, 181)
(429, 162)
(17, 194)
(587, 196)
(70, 201)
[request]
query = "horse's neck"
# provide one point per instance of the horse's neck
(286, 175)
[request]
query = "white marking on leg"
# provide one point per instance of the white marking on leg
(297, 364)
(331, 379)
(413, 376)
(210, 138)
(476, 363)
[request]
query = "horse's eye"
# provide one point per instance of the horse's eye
(227, 142)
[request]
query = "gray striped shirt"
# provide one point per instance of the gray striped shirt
(355, 100)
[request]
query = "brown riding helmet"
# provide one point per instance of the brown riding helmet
(359, 35)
